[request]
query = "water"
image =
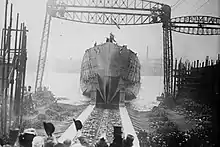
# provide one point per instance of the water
(67, 85)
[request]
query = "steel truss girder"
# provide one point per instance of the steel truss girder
(43, 52)
(196, 25)
(110, 4)
(108, 18)
(149, 12)
(168, 61)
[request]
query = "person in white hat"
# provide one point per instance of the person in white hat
(30, 131)
(25, 139)
(38, 141)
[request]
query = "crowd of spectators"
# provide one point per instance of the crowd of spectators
(29, 138)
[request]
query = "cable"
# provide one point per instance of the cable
(178, 4)
(193, 6)
(202, 6)
(196, 3)
(161, 63)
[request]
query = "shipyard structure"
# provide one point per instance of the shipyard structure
(110, 74)
(152, 66)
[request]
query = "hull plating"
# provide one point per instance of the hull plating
(109, 68)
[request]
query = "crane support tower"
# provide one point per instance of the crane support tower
(43, 52)
(132, 12)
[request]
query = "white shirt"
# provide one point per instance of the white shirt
(76, 140)
(79, 133)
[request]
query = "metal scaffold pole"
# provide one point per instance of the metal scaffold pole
(13, 63)
(18, 105)
(7, 69)
(11, 77)
(3, 68)
(23, 68)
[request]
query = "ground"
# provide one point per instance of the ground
(61, 119)
(48, 109)
(180, 120)
(179, 123)
(182, 124)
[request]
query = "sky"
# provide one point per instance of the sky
(71, 39)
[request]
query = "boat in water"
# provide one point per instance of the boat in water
(110, 73)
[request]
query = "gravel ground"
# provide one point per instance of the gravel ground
(187, 124)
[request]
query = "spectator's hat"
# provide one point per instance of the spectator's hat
(117, 130)
(13, 135)
(30, 131)
(78, 124)
(130, 138)
(49, 128)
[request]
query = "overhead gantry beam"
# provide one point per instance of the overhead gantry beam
(116, 4)
(107, 12)
(196, 25)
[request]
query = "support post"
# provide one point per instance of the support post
(17, 100)
(93, 95)
(122, 97)
(2, 43)
(207, 61)
(121, 92)
(12, 76)
(175, 73)
(43, 52)
(3, 70)
(23, 69)
(7, 70)
(167, 51)
(218, 59)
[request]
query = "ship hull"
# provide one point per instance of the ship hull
(109, 69)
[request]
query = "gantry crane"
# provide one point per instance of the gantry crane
(132, 12)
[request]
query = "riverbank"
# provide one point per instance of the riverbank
(59, 114)
(48, 108)
(45, 107)
(181, 123)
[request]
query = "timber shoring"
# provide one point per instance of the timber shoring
(199, 79)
